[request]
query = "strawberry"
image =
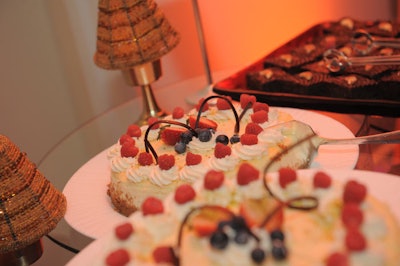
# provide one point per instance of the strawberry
(221, 150)
(184, 193)
(193, 159)
(129, 150)
(257, 106)
(253, 128)
(203, 123)
(246, 174)
(164, 255)
(171, 135)
(222, 104)
(286, 176)
(206, 221)
(123, 231)
(152, 205)
(134, 131)
(145, 158)
(124, 138)
(178, 112)
(213, 179)
(151, 120)
(355, 240)
(245, 99)
(354, 192)
(337, 259)
(119, 257)
(352, 216)
(322, 180)
(205, 106)
(248, 139)
(166, 161)
(259, 117)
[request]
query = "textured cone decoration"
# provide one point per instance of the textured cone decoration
(30, 207)
(132, 32)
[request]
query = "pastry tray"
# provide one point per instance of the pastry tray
(235, 85)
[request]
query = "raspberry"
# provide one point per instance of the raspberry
(166, 161)
(337, 259)
(152, 205)
(222, 150)
(352, 216)
(248, 139)
(259, 117)
(193, 159)
(129, 150)
(354, 192)
(151, 121)
(222, 104)
(134, 131)
(246, 174)
(124, 138)
(164, 255)
(184, 193)
(257, 106)
(178, 112)
(145, 158)
(123, 231)
(322, 180)
(213, 179)
(286, 176)
(253, 128)
(119, 257)
(205, 106)
(245, 99)
(355, 240)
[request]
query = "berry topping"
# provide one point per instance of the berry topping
(166, 161)
(164, 255)
(354, 192)
(253, 128)
(207, 220)
(245, 99)
(322, 180)
(257, 106)
(152, 205)
(213, 179)
(203, 105)
(204, 135)
(223, 104)
(337, 259)
(145, 158)
(248, 139)
(279, 251)
(193, 159)
(129, 150)
(171, 135)
(151, 121)
(352, 216)
(222, 150)
(134, 131)
(355, 240)
(180, 147)
(184, 193)
(258, 255)
(123, 231)
(178, 112)
(286, 176)
(124, 138)
(186, 136)
(234, 139)
(246, 174)
(219, 240)
(119, 257)
(222, 139)
(259, 117)
(203, 123)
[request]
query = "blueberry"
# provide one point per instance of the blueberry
(258, 255)
(219, 240)
(222, 139)
(186, 137)
(180, 147)
(204, 135)
(241, 237)
(238, 223)
(279, 251)
(277, 234)
(235, 139)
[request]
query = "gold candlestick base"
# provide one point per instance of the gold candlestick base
(143, 76)
(23, 257)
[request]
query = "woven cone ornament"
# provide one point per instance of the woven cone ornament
(30, 207)
(131, 33)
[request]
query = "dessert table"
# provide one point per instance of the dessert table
(94, 136)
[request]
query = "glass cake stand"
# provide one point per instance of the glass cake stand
(93, 137)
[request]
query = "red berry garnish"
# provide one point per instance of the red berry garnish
(222, 104)
(257, 106)
(164, 255)
(203, 123)
(171, 135)
(184, 193)
(337, 259)
(355, 240)
(119, 257)
(166, 161)
(352, 216)
(129, 150)
(253, 128)
(246, 98)
(246, 174)
(152, 205)
(205, 106)
(124, 138)
(178, 112)
(286, 176)
(222, 150)
(322, 180)
(151, 121)
(248, 139)
(134, 131)
(145, 158)
(354, 192)
(213, 179)
(193, 159)
(259, 117)
(123, 231)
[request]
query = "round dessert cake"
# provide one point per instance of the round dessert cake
(218, 134)
(289, 217)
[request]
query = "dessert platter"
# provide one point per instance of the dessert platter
(298, 74)
(100, 194)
